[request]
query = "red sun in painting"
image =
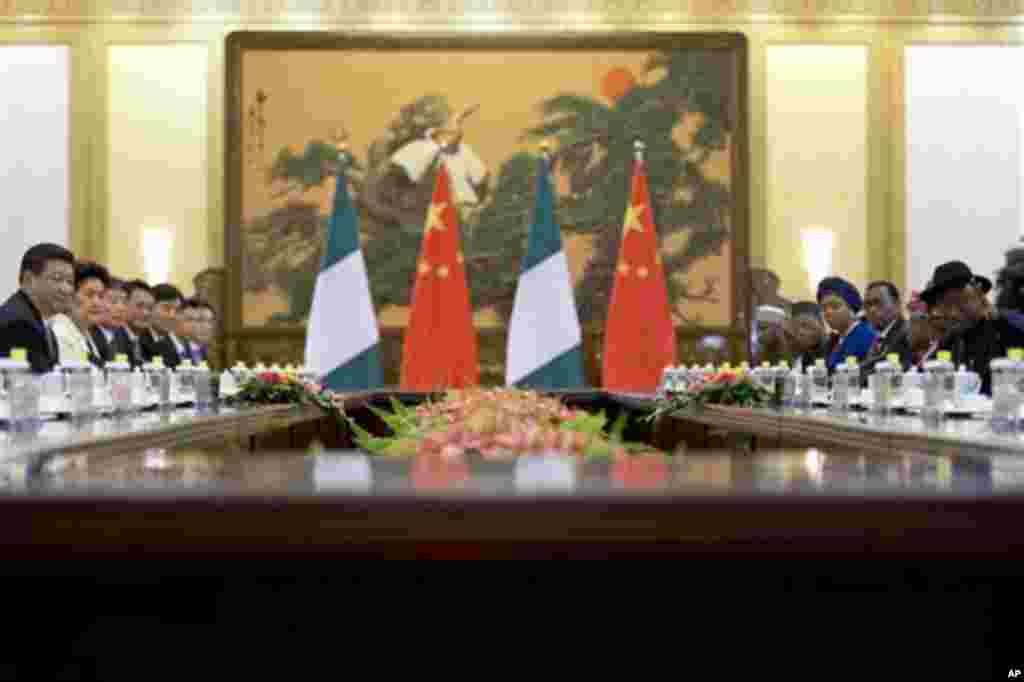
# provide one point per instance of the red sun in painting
(616, 83)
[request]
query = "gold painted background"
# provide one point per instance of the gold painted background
(296, 98)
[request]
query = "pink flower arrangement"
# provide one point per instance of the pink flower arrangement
(273, 378)
(726, 387)
(496, 423)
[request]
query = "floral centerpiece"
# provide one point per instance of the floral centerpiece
(495, 423)
(286, 388)
(727, 387)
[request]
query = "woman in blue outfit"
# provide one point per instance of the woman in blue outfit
(840, 303)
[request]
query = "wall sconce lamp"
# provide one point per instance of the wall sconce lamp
(156, 254)
(817, 243)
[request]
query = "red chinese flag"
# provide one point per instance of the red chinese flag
(439, 348)
(639, 339)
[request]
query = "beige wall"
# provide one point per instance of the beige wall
(114, 190)
(157, 157)
(816, 162)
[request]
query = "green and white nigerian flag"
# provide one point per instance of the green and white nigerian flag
(342, 339)
(544, 338)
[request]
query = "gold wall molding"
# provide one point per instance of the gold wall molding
(421, 12)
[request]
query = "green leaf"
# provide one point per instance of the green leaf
(365, 440)
(592, 424)
(395, 422)
(598, 448)
(618, 428)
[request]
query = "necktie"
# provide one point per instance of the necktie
(91, 346)
(51, 343)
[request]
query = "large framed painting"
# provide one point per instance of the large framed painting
(295, 99)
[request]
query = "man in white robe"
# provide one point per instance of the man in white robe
(465, 169)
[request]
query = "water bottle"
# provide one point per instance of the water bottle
(676, 383)
(887, 382)
(185, 374)
(783, 393)
(140, 388)
(897, 389)
(1016, 357)
(53, 392)
(967, 383)
(664, 384)
(680, 379)
(23, 389)
(804, 388)
(819, 381)
(944, 369)
(119, 377)
(228, 384)
(78, 376)
(203, 385)
(696, 374)
(1005, 398)
(241, 373)
(845, 381)
(932, 384)
(308, 376)
(156, 374)
(100, 390)
(764, 376)
(793, 379)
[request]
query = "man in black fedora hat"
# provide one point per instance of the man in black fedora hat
(979, 335)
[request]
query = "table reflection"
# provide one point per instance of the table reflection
(434, 472)
(808, 471)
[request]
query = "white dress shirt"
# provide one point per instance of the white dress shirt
(72, 344)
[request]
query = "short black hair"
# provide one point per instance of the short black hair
(894, 293)
(137, 285)
(36, 258)
(167, 292)
(196, 302)
(84, 271)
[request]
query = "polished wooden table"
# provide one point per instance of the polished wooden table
(183, 483)
(809, 502)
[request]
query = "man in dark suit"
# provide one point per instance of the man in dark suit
(978, 334)
(138, 310)
(195, 328)
(884, 311)
(162, 325)
(103, 335)
(47, 285)
(807, 335)
(103, 345)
